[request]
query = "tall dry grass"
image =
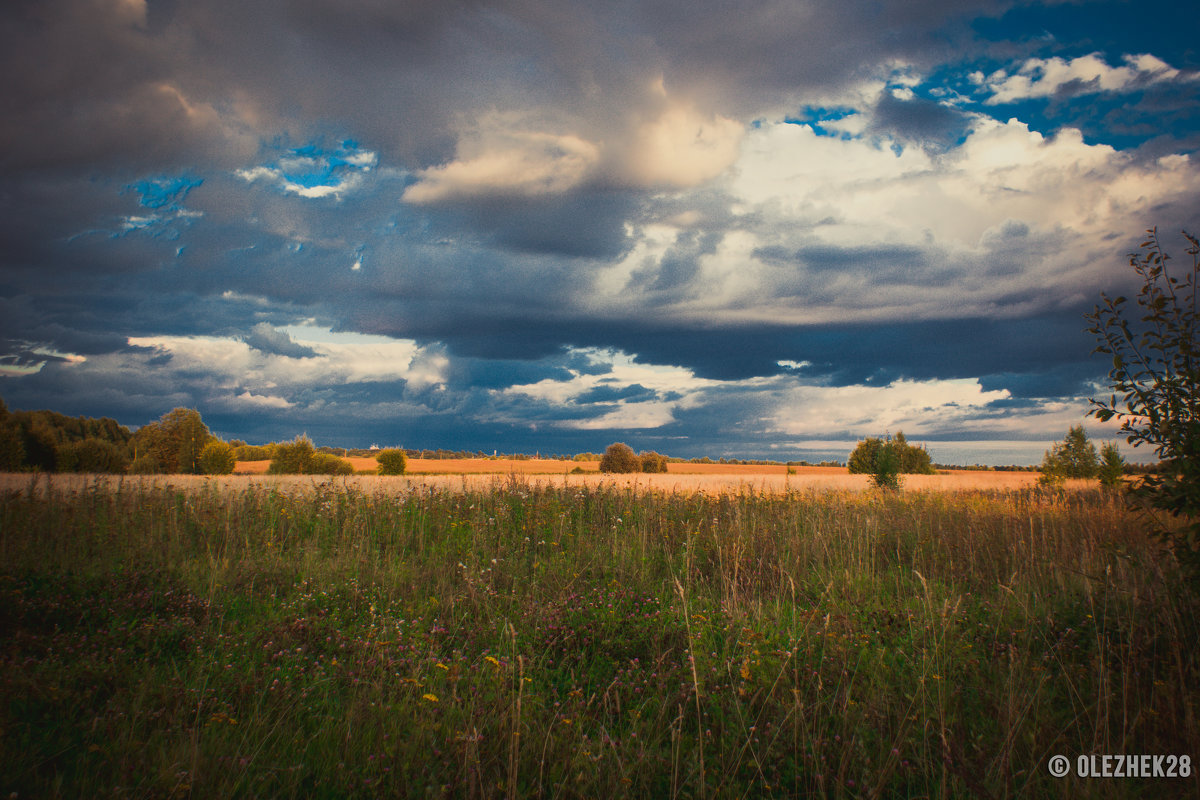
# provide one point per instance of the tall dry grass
(580, 640)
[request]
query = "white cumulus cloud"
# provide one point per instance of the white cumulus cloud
(1043, 77)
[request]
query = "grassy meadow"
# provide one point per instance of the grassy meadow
(533, 639)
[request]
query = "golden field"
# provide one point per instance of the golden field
(476, 474)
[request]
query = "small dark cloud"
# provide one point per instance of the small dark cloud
(612, 394)
(674, 276)
(269, 340)
(920, 120)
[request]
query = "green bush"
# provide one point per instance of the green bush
(252, 452)
(391, 462)
(886, 474)
(620, 458)
(1112, 466)
(653, 462)
(862, 460)
(90, 455)
(292, 458)
(1074, 456)
(217, 458)
(911, 460)
(175, 440)
(329, 464)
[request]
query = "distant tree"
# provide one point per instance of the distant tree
(862, 460)
(1052, 472)
(391, 462)
(293, 458)
(1155, 379)
(1112, 466)
(90, 455)
(620, 458)
(252, 452)
(888, 461)
(1078, 455)
(12, 448)
(217, 458)
(1073, 457)
(653, 462)
(175, 440)
(911, 459)
(40, 444)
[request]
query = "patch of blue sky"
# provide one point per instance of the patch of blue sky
(164, 193)
(818, 119)
(1164, 28)
(312, 333)
(314, 170)
(1139, 98)
(164, 197)
(1123, 118)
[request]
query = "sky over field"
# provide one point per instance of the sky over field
(758, 229)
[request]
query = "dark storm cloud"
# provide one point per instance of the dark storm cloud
(230, 168)
(874, 353)
(500, 374)
(587, 224)
(1064, 380)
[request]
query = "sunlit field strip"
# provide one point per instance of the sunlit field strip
(730, 481)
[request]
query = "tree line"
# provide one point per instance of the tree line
(179, 442)
(46, 441)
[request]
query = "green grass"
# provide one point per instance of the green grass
(584, 642)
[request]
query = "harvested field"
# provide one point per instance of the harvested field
(454, 466)
(708, 479)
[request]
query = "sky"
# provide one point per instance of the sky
(751, 229)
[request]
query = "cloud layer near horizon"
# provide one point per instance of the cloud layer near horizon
(759, 229)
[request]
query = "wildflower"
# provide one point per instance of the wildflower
(430, 697)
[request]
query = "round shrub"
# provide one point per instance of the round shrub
(292, 458)
(391, 462)
(217, 458)
(619, 457)
(653, 462)
(329, 464)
